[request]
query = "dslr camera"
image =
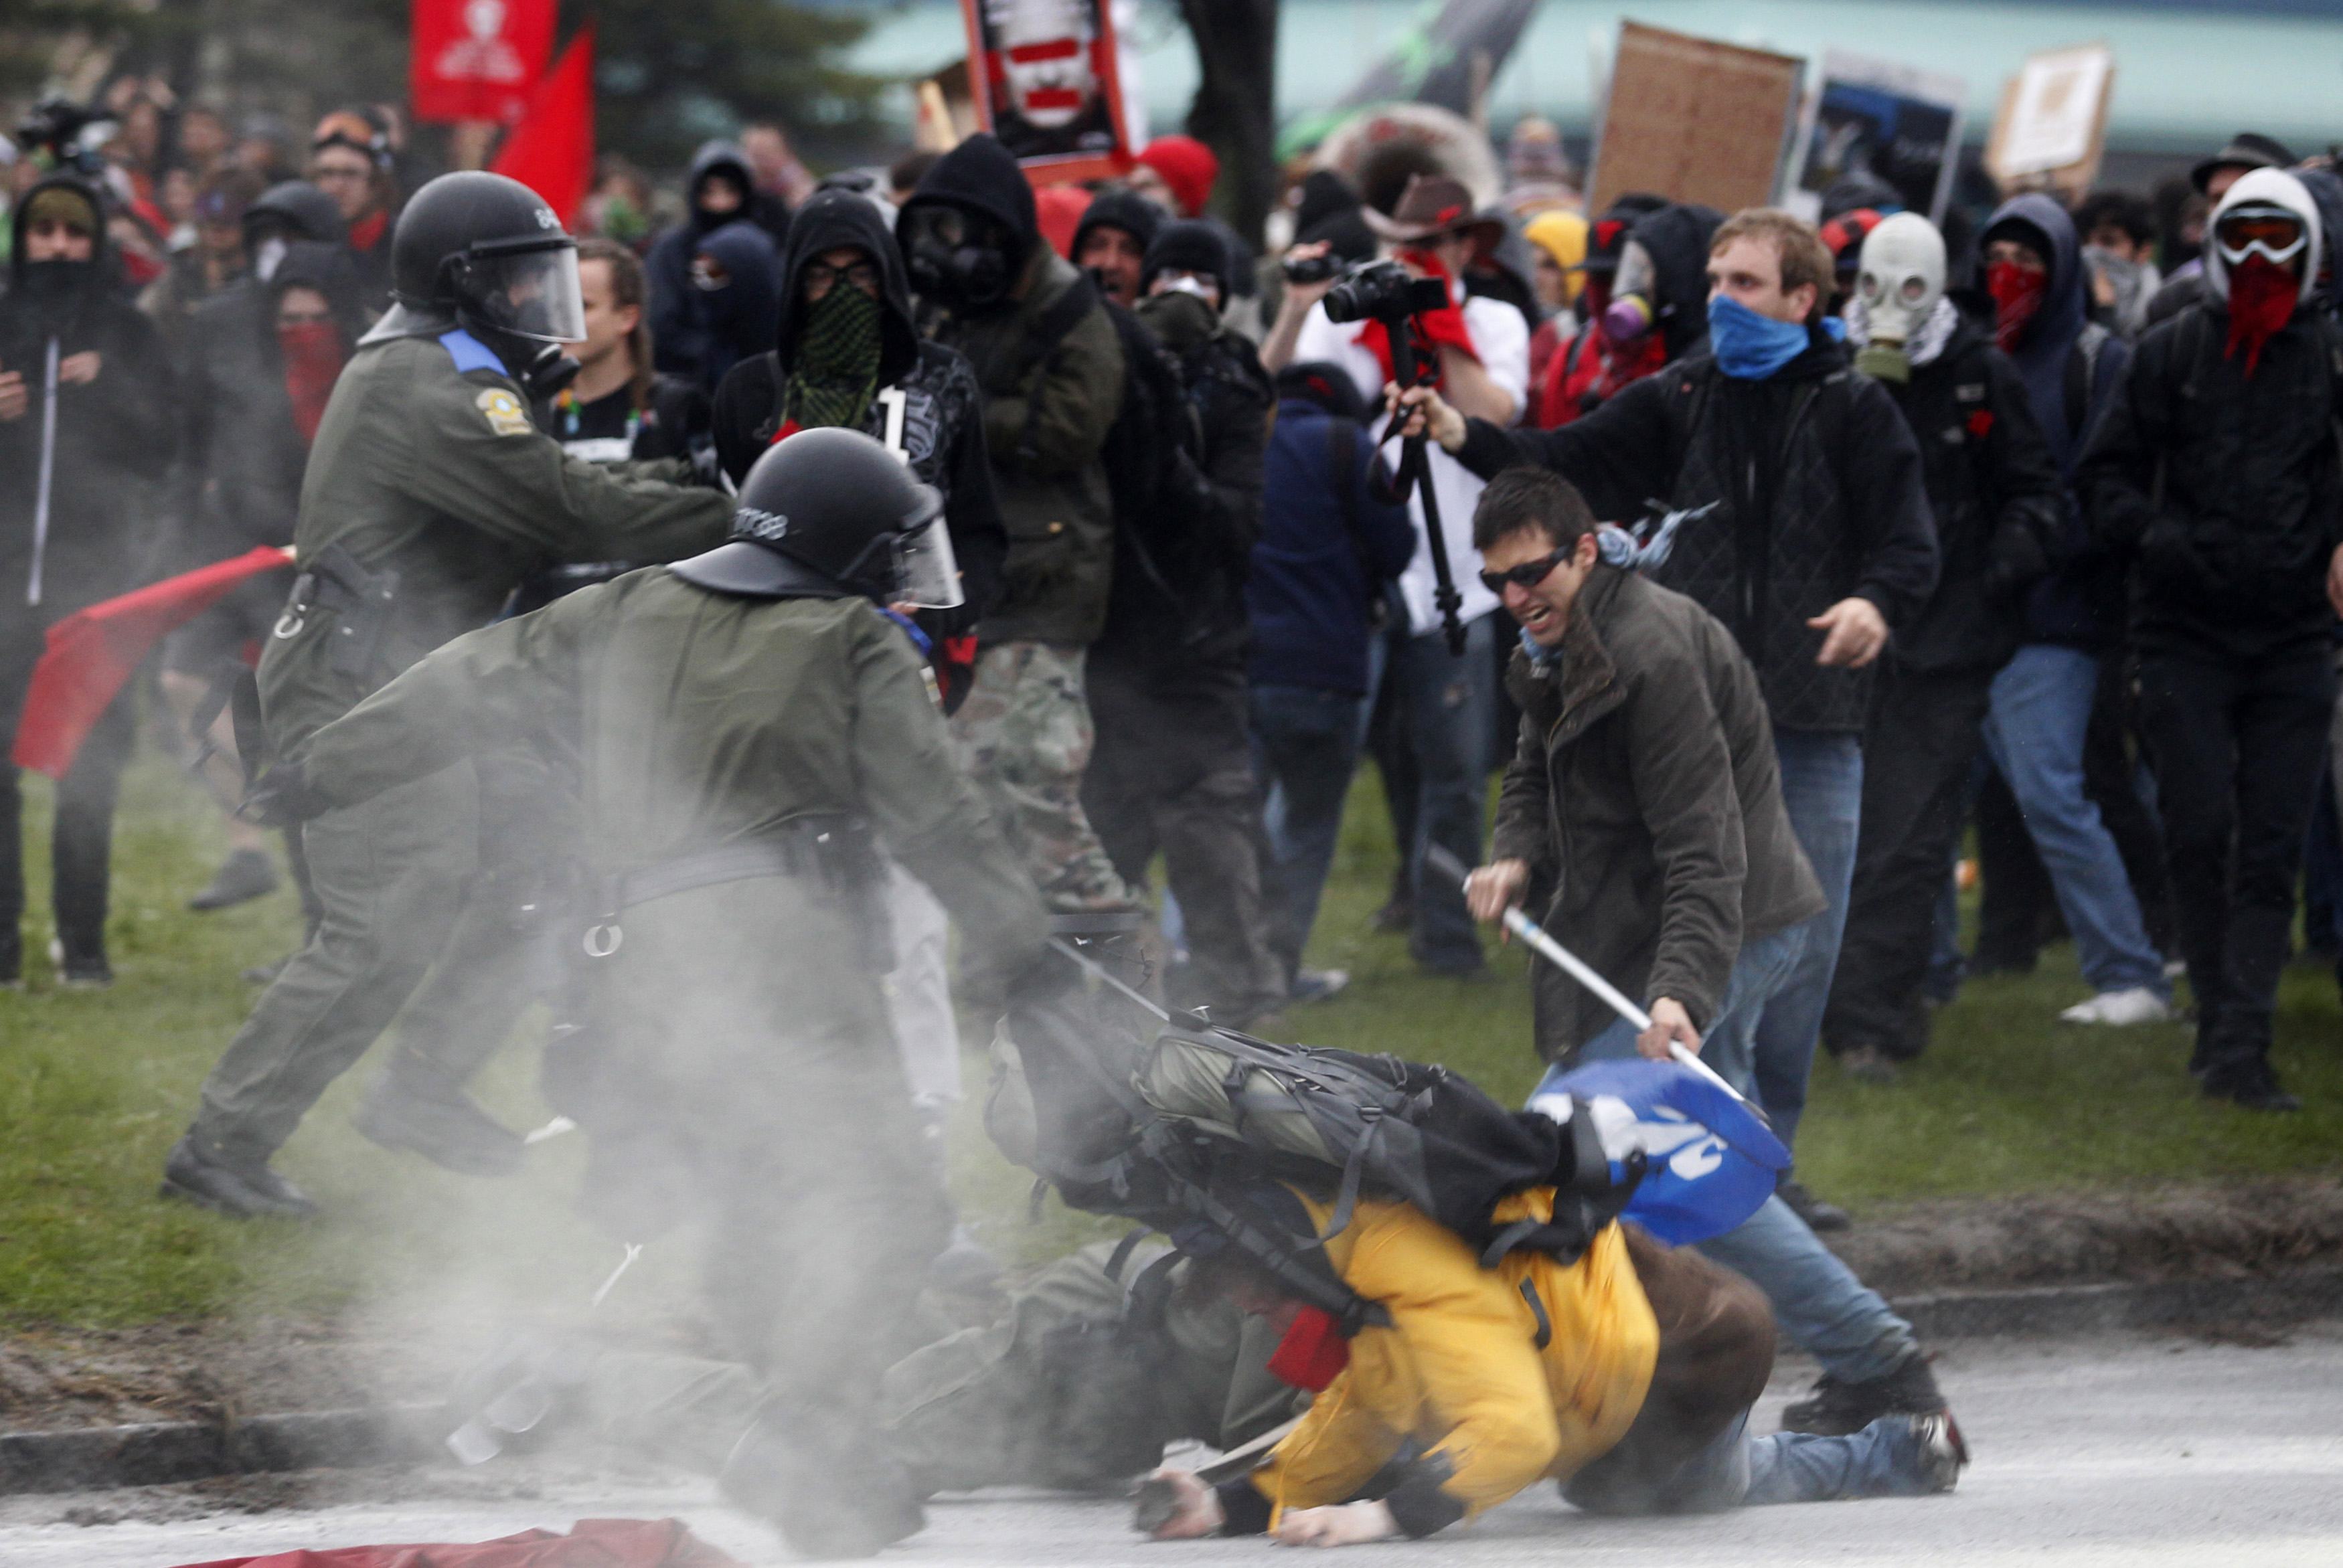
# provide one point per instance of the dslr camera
(1383, 291)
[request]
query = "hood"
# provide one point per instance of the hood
(981, 176)
(328, 269)
(1677, 236)
(100, 252)
(2265, 188)
(743, 316)
(302, 207)
(831, 219)
(710, 157)
(2066, 303)
(1126, 210)
(2326, 188)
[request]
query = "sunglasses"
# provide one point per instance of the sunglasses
(1527, 575)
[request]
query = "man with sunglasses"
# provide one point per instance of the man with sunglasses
(2216, 473)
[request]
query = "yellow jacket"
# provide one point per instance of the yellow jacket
(1459, 1369)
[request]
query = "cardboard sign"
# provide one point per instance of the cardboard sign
(477, 59)
(1879, 117)
(1694, 120)
(2052, 126)
(1047, 82)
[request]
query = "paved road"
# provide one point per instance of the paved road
(2139, 1452)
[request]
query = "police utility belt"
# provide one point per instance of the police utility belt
(360, 602)
(833, 850)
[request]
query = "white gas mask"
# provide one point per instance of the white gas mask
(1901, 280)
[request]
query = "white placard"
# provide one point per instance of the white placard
(2055, 109)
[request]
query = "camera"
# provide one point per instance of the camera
(1383, 291)
(59, 124)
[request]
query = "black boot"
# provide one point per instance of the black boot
(421, 1111)
(198, 1173)
(1838, 1408)
(2251, 1082)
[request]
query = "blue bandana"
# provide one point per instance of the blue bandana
(1749, 346)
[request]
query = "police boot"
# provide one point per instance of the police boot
(198, 1172)
(832, 1495)
(418, 1110)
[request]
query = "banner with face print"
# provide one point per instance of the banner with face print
(1047, 83)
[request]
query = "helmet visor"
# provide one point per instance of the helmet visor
(925, 572)
(531, 294)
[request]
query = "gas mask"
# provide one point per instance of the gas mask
(955, 257)
(1045, 58)
(1633, 305)
(1900, 281)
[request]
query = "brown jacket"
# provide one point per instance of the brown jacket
(1645, 782)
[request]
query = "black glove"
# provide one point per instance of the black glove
(281, 797)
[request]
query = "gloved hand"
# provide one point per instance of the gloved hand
(282, 795)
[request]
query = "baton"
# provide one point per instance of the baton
(1535, 938)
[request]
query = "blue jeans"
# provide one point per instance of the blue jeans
(1821, 789)
(1451, 703)
(1817, 1300)
(1739, 1471)
(1305, 747)
(2041, 708)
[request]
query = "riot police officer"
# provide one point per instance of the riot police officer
(429, 495)
(753, 729)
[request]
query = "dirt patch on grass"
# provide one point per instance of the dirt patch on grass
(2184, 1233)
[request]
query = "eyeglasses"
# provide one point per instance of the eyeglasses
(820, 275)
(1527, 575)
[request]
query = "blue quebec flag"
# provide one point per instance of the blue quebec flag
(1710, 1162)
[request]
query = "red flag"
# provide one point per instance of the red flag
(92, 652)
(551, 150)
(590, 1544)
(477, 59)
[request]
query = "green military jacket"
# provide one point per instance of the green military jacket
(435, 473)
(705, 720)
(1046, 417)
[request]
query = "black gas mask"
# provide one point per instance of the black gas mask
(959, 258)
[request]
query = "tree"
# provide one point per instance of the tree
(1235, 108)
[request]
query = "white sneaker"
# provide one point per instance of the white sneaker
(2120, 1008)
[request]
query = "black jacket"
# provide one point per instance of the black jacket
(679, 337)
(114, 437)
(1997, 497)
(1812, 489)
(2224, 489)
(940, 427)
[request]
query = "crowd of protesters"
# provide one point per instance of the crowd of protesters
(2032, 526)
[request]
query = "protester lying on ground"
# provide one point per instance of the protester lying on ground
(1625, 1376)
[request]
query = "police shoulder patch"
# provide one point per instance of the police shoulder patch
(506, 417)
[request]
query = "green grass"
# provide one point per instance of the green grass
(93, 1087)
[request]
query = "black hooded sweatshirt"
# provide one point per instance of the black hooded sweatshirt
(113, 437)
(678, 339)
(939, 427)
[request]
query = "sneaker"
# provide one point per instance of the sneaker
(244, 875)
(1838, 1408)
(2120, 1008)
(1318, 985)
(1943, 1454)
(1868, 1064)
(1821, 1217)
(2254, 1086)
(80, 971)
(195, 1173)
(438, 1121)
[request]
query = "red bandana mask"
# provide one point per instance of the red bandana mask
(312, 351)
(2017, 294)
(1312, 1354)
(1433, 328)
(2262, 297)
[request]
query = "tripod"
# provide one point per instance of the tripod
(1412, 367)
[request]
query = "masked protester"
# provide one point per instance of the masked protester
(429, 495)
(722, 189)
(1173, 768)
(1592, 367)
(1050, 370)
(2041, 732)
(1999, 501)
(85, 439)
(2216, 473)
(736, 300)
(754, 728)
(263, 361)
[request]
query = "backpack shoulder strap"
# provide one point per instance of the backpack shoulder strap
(1050, 329)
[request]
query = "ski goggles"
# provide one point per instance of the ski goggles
(2273, 234)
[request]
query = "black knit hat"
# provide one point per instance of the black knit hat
(1124, 209)
(1189, 245)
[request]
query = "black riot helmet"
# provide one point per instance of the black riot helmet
(829, 513)
(490, 252)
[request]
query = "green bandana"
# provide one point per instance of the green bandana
(837, 367)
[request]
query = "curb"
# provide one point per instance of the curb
(94, 1459)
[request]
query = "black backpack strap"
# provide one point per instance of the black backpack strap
(1537, 1311)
